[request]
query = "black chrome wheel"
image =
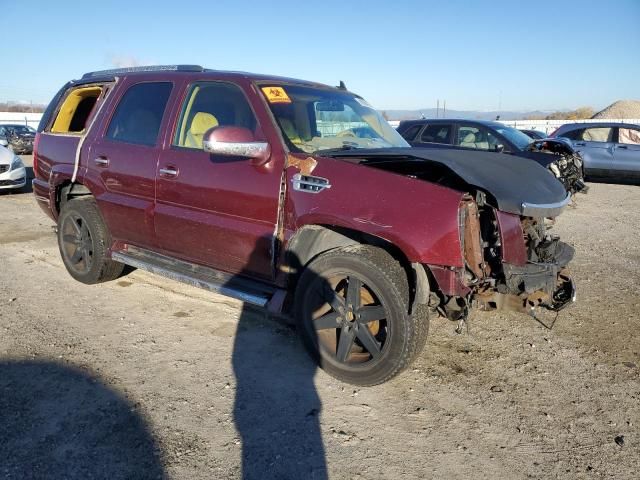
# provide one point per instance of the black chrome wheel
(77, 244)
(83, 240)
(351, 309)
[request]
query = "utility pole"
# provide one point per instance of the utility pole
(438, 108)
(444, 109)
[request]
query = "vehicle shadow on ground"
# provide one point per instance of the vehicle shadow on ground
(277, 407)
(60, 422)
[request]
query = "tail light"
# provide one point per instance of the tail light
(35, 154)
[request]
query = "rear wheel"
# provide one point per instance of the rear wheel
(83, 240)
(351, 308)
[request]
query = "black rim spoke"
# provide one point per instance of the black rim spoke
(77, 256)
(353, 292)
(345, 343)
(70, 238)
(76, 227)
(371, 314)
(369, 341)
(329, 320)
(333, 299)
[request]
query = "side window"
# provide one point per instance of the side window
(138, 116)
(478, 138)
(437, 133)
(76, 109)
(410, 133)
(573, 134)
(629, 136)
(209, 105)
(597, 134)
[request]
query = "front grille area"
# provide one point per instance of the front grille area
(7, 183)
(4, 168)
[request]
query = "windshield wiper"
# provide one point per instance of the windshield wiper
(345, 146)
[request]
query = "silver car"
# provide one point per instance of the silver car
(609, 150)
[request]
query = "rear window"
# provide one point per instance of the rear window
(139, 114)
(76, 108)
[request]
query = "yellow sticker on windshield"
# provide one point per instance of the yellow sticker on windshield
(276, 95)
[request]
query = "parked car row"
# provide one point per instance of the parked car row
(301, 198)
(557, 155)
(12, 171)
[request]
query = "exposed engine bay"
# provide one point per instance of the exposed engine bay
(512, 261)
(567, 167)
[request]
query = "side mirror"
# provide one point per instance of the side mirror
(499, 148)
(4, 142)
(236, 142)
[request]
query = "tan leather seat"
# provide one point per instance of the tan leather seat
(469, 140)
(201, 122)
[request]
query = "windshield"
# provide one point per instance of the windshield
(316, 119)
(519, 139)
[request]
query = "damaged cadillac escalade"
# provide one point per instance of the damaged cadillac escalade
(297, 197)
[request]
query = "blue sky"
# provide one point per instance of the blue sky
(477, 55)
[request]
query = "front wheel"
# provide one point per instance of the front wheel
(351, 309)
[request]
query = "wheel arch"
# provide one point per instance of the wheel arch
(310, 241)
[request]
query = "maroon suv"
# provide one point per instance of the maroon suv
(298, 197)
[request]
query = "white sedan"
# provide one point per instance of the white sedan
(12, 171)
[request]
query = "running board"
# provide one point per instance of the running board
(240, 288)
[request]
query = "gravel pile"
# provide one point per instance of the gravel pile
(621, 109)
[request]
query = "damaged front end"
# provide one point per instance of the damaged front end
(512, 262)
(567, 165)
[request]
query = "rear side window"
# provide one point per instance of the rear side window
(437, 133)
(630, 136)
(76, 108)
(139, 114)
(410, 133)
(598, 134)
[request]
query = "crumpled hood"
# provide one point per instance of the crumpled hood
(519, 187)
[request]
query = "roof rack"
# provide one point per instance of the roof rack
(149, 68)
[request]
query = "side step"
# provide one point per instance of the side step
(241, 288)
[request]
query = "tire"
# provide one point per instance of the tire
(84, 240)
(362, 336)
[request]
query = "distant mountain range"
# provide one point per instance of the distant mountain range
(468, 114)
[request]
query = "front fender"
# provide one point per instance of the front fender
(419, 217)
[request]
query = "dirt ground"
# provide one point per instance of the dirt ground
(147, 378)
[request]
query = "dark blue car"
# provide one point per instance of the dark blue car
(557, 155)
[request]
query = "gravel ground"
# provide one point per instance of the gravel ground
(146, 378)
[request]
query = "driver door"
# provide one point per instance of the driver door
(213, 210)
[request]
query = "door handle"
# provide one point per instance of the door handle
(581, 144)
(623, 146)
(168, 171)
(101, 161)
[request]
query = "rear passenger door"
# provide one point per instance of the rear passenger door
(214, 210)
(123, 158)
(627, 152)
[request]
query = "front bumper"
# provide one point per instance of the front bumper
(14, 178)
